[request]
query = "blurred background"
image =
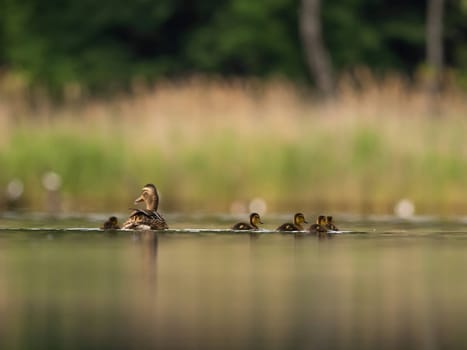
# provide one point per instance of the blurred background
(277, 106)
(344, 106)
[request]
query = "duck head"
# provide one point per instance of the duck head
(299, 219)
(255, 219)
(149, 196)
(113, 220)
(321, 220)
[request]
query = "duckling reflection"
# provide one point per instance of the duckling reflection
(298, 220)
(255, 220)
(148, 219)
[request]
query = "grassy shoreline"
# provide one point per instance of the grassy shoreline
(208, 144)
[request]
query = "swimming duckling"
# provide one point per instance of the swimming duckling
(253, 225)
(298, 220)
(148, 219)
(111, 224)
(319, 226)
(330, 225)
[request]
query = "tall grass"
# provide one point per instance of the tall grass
(209, 143)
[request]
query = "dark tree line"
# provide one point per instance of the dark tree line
(108, 43)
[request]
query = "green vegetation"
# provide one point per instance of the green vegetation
(208, 144)
(109, 45)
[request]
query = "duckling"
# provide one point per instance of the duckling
(330, 225)
(319, 226)
(111, 224)
(298, 220)
(253, 225)
(148, 219)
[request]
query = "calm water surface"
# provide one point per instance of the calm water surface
(387, 284)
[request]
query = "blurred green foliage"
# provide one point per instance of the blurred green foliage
(111, 43)
(339, 168)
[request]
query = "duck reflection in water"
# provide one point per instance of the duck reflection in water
(148, 242)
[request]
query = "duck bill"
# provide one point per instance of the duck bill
(139, 199)
(305, 222)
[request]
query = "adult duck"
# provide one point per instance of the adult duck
(149, 218)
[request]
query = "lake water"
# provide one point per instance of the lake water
(387, 284)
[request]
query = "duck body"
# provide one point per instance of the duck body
(145, 220)
(299, 219)
(316, 228)
(244, 226)
(253, 225)
(149, 218)
(288, 226)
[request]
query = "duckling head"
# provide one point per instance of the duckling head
(329, 219)
(321, 220)
(255, 219)
(113, 220)
(150, 196)
(299, 219)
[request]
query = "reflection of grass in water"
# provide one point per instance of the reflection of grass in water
(206, 145)
(348, 292)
